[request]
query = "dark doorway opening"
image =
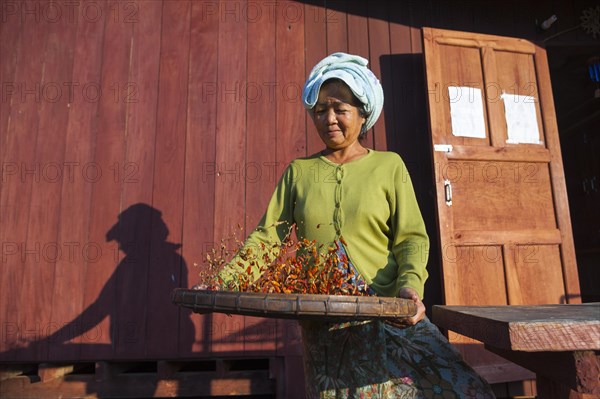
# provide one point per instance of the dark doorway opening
(578, 118)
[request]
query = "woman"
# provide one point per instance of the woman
(365, 197)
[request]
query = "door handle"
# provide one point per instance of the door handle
(448, 192)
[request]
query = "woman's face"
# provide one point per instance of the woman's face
(336, 119)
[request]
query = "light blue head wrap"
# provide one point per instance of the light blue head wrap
(352, 70)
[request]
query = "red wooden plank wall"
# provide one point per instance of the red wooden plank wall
(136, 134)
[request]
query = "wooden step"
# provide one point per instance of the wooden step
(144, 379)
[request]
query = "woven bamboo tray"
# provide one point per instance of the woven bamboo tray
(294, 306)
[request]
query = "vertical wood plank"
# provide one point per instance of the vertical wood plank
(100, 302)
(42, 230)
(400, 124)
(336, 22)
(11, 47)
(80, 136)
(315, 38)
(260, 172)
(17, 190)
(379, 45)
(11, 31)
(230, 150)
(495, 108)
(291, 127)
(167, 269)
(231, 122)
(291, 140)
(135, 174)
(513, 296)
(358, 41)
(200, 166)
(358, 29)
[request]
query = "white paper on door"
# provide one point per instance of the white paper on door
(521, 119)
(466, 112)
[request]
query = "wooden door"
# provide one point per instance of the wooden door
(504, 226)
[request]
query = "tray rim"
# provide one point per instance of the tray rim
(229, 302)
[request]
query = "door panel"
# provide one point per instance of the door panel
(467, 73)
(504, 225)
(526, 264)
(495, 195)
(476, 265)
(516, 75)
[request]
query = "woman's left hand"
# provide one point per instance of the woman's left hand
(409, 293)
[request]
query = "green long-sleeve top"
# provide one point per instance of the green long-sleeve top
(370, 202)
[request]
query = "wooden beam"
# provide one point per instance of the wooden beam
(501, 372)
(48, 372)
(277, 374)
(501, 154)
(516, 237)
(576, 371)
(13, 370)
(136, 385)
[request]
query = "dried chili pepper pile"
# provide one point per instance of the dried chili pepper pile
(300, 267)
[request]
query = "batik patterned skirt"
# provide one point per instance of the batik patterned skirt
(372, 359)
(376, 360)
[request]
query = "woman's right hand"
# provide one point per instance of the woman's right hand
(409, 293)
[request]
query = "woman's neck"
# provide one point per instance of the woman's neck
(344, 155)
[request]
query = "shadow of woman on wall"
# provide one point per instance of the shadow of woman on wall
(144, 324)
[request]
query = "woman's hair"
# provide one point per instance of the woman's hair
(354, 102)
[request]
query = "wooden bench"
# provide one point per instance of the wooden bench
(560, 343)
